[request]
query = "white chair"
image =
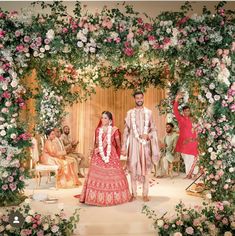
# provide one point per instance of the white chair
(40, 168)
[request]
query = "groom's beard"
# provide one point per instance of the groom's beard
(139, 104)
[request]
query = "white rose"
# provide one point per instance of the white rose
(27, 55)
(160, 223)
(231, 169)
(28, 219)
(228, 233)
(9, 227)
(42, 49)
(145, 46)
(168, 30)
(213, 156)
(45, 227)
(50, 34)
(84, 39)
(27, 200)
(80, 44)
(2, 228)
(14, 83)
(177, 234)
(8, 104)
(92, 50)
(233, 140)
(13, 136)
(210, 149)
(3, 133)
(85, 31)
(35, 54)
(31, 212)
(41, 55)
(54, 228)
(208, 196)
(4, 87)
(114, 35)
(5, 174)
(212, 86)
(47, 47)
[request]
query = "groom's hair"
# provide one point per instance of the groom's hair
(137, 93)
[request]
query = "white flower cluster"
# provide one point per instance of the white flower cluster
(101, 148)
(88, 45)
(146, 125)
(49, 112)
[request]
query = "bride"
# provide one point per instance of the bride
(106, 183)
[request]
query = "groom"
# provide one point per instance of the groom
(140, 132)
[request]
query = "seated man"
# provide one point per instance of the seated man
(60, 149)
(165, 164)
(70, 147)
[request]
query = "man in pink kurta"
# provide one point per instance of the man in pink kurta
(140, 145)
(187, 143)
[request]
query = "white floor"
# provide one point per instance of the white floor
(125, 219)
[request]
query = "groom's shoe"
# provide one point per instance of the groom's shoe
(146, 199)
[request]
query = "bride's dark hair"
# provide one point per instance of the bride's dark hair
(109, 114)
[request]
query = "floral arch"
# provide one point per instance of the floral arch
(73, 54)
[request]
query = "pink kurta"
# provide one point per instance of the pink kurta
(140, 157)
(186, 143)
(106, 183)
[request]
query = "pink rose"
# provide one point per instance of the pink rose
(166, 226)
(226, 52)
(233, 46)
(4, 187)
(220, 172)
(2, 33)
(10, 179)
(196, 222)
(6, 94)
(26, 39)
(151, 38)
(198, 72)
(140, 31)
(130, 35)
(226, 186)
(219, 52)
(129, 51)
(217, 177)
(232, 107)
(148, 27)
(140, 21)
(20, 48)
(17, 33)
(179, 222)
(12, 186)
(117, 40)
(189, 230)
(219, 162)
(65, 30)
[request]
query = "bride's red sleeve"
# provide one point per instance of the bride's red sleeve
(117, 136)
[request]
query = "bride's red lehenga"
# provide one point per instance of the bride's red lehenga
(106, 183)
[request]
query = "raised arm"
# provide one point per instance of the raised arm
(175, 107)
